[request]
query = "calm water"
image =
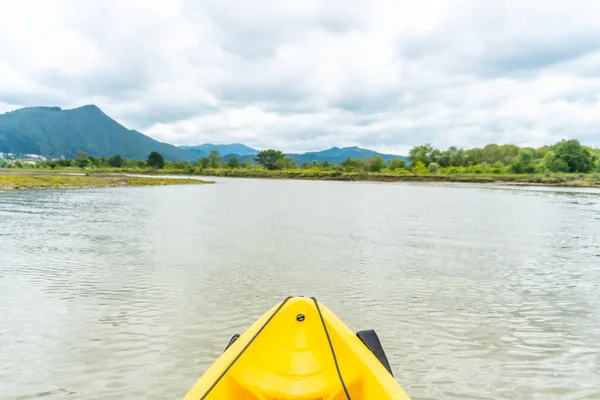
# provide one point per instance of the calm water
(130, 293)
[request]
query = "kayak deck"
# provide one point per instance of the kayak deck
(297, 350)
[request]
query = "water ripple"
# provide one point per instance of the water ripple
(476, 292)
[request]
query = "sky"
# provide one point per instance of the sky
(306, 75)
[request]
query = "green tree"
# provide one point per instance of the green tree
(203, 162)
(116, 161)
(82, 162)
(552, 163)
(579, 158)
(421, 154)
(234, 163)
(509, 152)
(214, 159)
(559, 165)
(419, 168)
(436, 155)
(269, 158)
(156, 160)
(396, 163)
(286, 163)
(94, 161)
(541, 152)
(474, 156)
(458, 158)
(523, 163)
(498, 167)
(434, 168)
(375, 164)
(492, 154)
(353, 164)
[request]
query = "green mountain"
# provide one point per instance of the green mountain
(333, 155)
(336, 155)
(53, 132)
(203, 150)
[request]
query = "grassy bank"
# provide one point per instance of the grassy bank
(546, 179)
(573, 180)
(566, 180)
(57, 181)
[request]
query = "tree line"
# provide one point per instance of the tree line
(567, 156)
(564, 156)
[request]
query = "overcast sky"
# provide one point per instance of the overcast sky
(305, 75)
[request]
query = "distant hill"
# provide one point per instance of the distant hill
(336, 155)
(333, 155)
(53, 132)
(224, 149)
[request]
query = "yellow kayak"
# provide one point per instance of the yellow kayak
(300, 350)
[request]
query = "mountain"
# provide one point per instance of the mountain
(333, 155)
(203, 150)
(53, 132)
(336, 155)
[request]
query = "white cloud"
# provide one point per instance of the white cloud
(303, 75)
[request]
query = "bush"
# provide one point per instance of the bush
(396, 163)
(474, 169)
(577, 157)
(523, 163)
(375, 164)
(116, 161)
(234, 163)
(434, 168)
(420, 169)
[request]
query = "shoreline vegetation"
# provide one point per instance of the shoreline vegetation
(566, 163)
(564, 180)
(56, 180)
(112, 177)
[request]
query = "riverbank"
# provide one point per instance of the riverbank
(61, 181)
(561, 180)
(565, 180)
(546, 179)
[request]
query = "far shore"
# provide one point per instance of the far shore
(56, 180)
(113, 175)
(549, 180)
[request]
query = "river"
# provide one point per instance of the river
(477, 292)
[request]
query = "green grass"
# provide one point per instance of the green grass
(49, 181)
(578, 180)
(402, 175)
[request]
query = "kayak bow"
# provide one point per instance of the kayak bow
(300, 350)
